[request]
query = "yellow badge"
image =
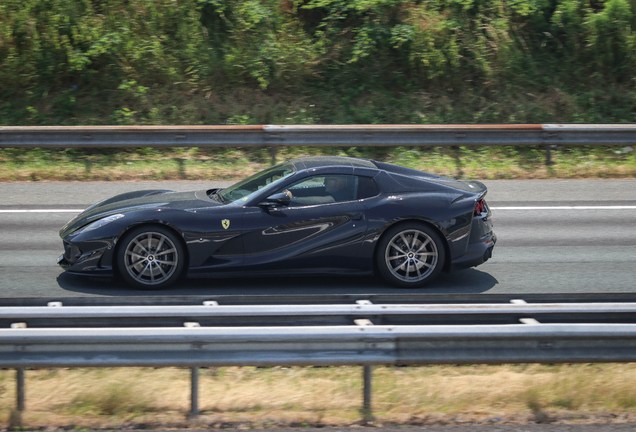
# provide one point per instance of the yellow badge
(225, 223)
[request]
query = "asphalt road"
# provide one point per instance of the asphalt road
(546, 244)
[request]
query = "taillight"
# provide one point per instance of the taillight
(480, 207)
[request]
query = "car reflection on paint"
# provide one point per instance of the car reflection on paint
(319, 215)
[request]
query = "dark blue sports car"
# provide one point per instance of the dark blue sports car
(311, 215)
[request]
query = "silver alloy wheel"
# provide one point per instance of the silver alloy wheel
(411, 255)
(151, 258)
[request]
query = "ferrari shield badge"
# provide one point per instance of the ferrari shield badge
(225, 223)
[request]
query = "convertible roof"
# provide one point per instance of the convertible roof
(331, 161)
(394, 178)
(324, 161)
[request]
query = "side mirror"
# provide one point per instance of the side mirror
(280, 199)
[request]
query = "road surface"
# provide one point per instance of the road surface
(555, 236)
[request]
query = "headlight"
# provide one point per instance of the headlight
(100, 223)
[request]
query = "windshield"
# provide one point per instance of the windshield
(243, 189)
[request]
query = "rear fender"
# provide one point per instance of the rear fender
(419, 219)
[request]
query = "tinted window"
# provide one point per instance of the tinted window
(410, 172)
(323, 189)
(367, 188)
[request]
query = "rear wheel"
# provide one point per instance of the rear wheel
(150, 257)
(410, 255)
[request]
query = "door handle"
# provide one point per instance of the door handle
(357, 216)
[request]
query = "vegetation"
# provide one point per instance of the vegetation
(231, 397)
(234, 164)
(330, 61)
(71, 62)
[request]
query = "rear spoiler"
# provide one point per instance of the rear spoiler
(477, 187)
(472, 187)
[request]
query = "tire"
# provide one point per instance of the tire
(150, 257)
(410, 255)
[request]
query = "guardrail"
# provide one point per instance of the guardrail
(318, 135)
(548, 136)
(317, 345)
(212, 314)
(360, 343)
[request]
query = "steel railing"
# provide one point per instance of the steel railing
(528, 339)
(317, 345)
(213, 314)
(318, 135)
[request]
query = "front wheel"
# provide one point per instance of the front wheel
(150, 257)
(410, 255)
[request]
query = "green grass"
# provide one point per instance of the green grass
(501, 162)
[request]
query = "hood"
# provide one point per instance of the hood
(140, 200)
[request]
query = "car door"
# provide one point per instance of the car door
(315, 231)
(213, 238)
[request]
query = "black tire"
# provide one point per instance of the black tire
(410, 255)
(150, 257)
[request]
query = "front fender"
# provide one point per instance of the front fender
(127, 196)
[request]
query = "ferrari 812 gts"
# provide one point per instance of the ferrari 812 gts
(317, 215)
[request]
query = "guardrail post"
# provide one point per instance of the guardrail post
(20, 388)
(458, 161)
(548, 155)
(272, 154)
(194, 394)
(181, 165)
(15, 415)
(366, 404)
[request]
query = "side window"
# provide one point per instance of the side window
(367, 188)
(324, 189)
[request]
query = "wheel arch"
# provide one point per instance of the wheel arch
(161, 224)
(385, 229)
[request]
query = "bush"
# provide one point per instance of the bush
(141, 58)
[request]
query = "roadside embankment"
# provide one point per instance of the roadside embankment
(252, 398)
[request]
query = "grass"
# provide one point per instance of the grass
(250, 397)
(234, 163)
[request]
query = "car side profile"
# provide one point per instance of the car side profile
(317, 215)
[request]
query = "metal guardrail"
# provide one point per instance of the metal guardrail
(56, 310)
(317, 345)
(318, 135)
(211, 314)
(360, 343)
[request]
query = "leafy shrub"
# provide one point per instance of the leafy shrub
(133, 54)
